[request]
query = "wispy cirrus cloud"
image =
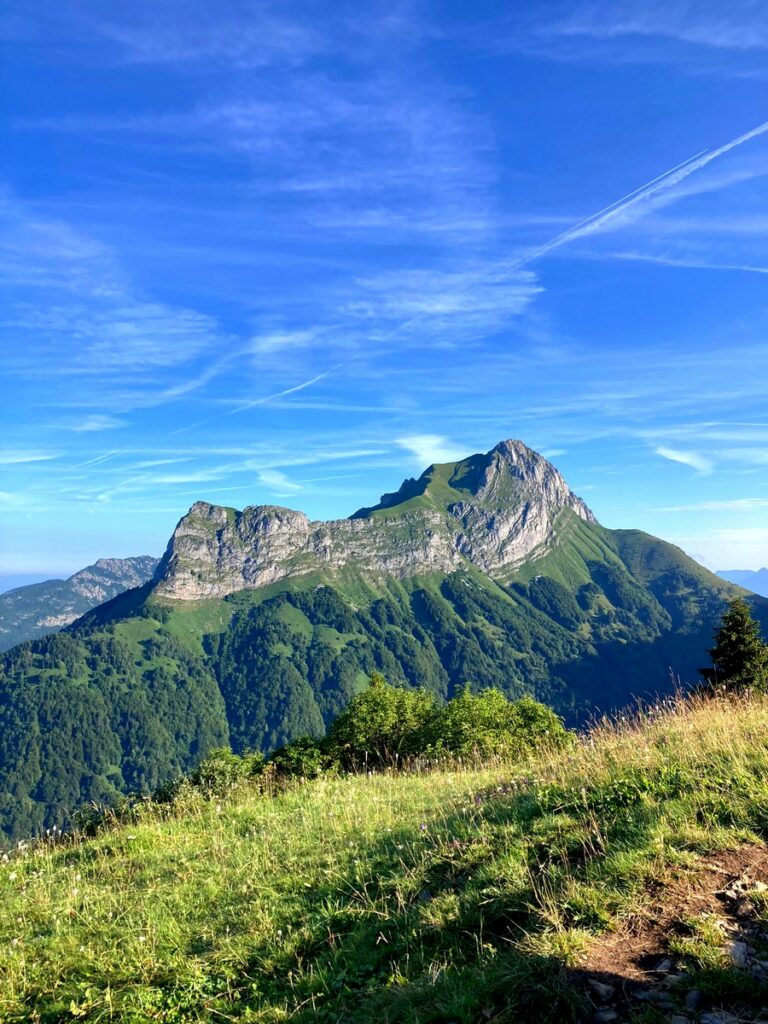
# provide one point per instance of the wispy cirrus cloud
(122, 336)
(173, 34)
(426, 449)
(706, 37)
(405, 152)
(63, 285)
(450, 304)
(695, 460)
(747, 455)
(97, 423)
(741, 26)
(9, 499)
(150, 463)
(277, 482)
(279, 341)
(682, 261)
(161, 35)
(10, 457)
(43, 253)
(726, 505)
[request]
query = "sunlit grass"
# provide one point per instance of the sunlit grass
(417, 897)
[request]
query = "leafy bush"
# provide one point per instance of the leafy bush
(221, 770)
(381, 724)
(384, 724)
(305, 758)
(487, 724)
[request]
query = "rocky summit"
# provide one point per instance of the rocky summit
(492, 511)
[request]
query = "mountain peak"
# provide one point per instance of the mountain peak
(492, 510)
(508, 475)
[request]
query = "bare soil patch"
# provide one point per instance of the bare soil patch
(633, 966)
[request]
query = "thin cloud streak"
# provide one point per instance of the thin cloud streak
(619, 210)
(285, 391)
(677, 261)
(14, 458)
(728, 505)
(698, 462)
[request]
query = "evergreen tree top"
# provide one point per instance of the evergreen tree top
(740, 655)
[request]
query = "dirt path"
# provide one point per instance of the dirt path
(633, 975)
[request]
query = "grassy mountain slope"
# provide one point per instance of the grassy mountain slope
(441, 486)
(141, 688)
(455, 896)
(41, 608)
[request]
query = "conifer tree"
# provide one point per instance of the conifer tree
(740, 656)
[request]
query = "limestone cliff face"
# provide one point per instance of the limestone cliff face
(108, 577)
(514, 509)
(493, 511)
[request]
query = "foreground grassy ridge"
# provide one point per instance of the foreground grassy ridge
(435, 897)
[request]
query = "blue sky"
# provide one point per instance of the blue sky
(292, 253)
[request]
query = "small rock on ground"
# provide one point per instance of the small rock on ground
(738, 952)
(693, 1000)
(601, 990)
(604, 1017)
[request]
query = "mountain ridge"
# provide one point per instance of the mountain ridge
(38, 608)
(755, 580)
(491, 510)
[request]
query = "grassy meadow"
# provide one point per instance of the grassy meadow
(444, 896)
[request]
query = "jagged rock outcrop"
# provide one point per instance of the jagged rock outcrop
(493, 511)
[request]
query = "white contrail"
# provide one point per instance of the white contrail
(287, 391)
(260, 401)
(593, 223)
(596, 221)
(664, 181)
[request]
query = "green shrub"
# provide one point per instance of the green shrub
(221, 770)
(305, 758)
(381, 725)
(385, 724)
(486, 724)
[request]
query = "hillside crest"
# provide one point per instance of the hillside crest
(493, 510)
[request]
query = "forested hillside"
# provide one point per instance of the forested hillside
(141, 688)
